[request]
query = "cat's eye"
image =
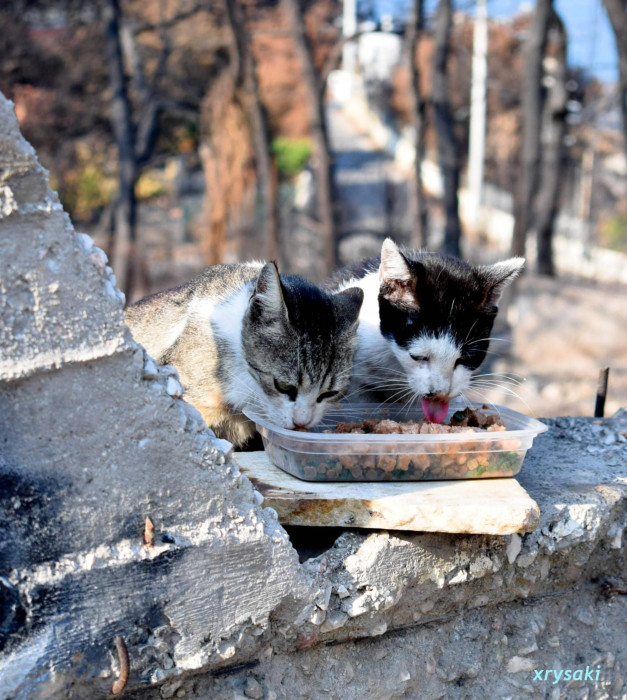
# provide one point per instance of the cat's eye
(419, 358)
(326, 395)
(289, 390)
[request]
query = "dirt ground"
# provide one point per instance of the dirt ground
(563, 331)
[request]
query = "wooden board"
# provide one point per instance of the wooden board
(481, 506)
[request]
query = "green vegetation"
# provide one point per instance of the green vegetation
(85, 190)
(614, 232)
(291, 154)
(150, 185)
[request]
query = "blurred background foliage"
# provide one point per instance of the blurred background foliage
(291, 154)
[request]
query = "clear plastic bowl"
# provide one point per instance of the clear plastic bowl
(318, 456)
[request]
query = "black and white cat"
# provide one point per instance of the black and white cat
(425, 324)
(242, 336)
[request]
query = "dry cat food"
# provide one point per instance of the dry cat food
(399, 445)
(468, 420)
(444, 461)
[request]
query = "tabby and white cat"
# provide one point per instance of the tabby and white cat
(425, 324)
(240, 335)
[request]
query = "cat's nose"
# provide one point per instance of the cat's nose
(298, 425)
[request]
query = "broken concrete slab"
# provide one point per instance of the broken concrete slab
(92, 441)
(57, 294)
(477, 506)
(505, 651)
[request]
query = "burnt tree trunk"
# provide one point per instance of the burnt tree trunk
(419, 232)
(322, 161)
(220, 97)
(547, 201)
(125, 206)
(448, 147)
(260, 130)
(532, 102)
(617, 12)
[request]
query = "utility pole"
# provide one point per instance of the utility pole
(349, 28)
(478, 111)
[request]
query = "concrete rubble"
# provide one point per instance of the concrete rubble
(94, 438)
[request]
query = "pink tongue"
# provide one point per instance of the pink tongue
(435, 411)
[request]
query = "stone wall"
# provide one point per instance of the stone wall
(94, 439)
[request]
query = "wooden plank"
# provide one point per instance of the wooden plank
(479, 506)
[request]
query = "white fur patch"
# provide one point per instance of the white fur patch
(369, 312)
(435, 374)
(441, 350)
(461, 380)
(228, 316)
(372, 348)
(202, 308)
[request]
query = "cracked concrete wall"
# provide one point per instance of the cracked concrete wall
(92, 441)
(485, 653)
(94, 438)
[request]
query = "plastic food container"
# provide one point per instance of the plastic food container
(319, 456)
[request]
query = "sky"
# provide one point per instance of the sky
(591, 40)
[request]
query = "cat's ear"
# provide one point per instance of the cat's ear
(394, 265)
(497, 277)
(348, 303)
(267, 298)
(396, 281)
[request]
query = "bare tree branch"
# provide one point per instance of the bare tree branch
(171, 22)
(448, 148)
(533, 100)
(547, 200)
(419, 229)
(321, 161)
(259, 127)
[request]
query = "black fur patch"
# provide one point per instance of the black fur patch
(449, 299)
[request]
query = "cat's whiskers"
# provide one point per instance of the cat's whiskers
(494, 384)
(470, 331)
(487, 401)
(414, 399)
(518, 378)
(383, 372)
(491, 339)
(506, 390)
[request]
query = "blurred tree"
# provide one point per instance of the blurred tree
(448, 147)
(617, 12)
(225, 150)
(248, 91)
(125, 254)
(413, 32)
(554, 128)
(322, 162)
(135, 127)
(533, 100)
